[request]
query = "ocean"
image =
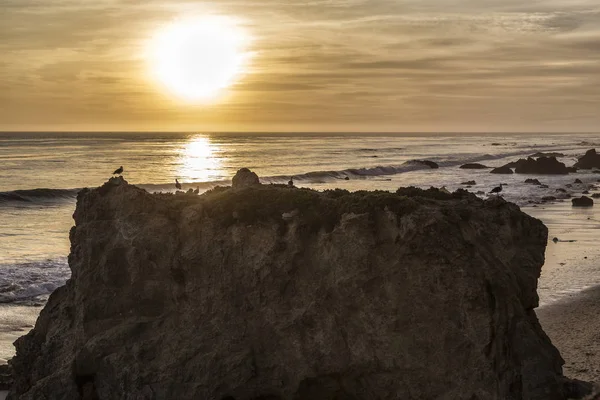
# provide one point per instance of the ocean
(41, 174)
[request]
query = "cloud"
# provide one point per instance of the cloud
(426, 63)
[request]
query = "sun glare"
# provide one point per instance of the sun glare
(196, 58)
(200, 160)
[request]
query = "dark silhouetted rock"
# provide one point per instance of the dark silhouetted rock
(596, 196)
(585, 192)
(571, 170)
(473, 166)
(533, 181)
(561, 190)
(578, 181)
(6, 378)
(368, 295)
(469, 183)
(548, 198)
(541, 166)
(245, 178)
(590, 160)
(502, 170)
(583, 201)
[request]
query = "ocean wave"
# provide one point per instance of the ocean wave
(37, 195)
(32, 282)
(445, 161)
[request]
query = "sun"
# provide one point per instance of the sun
(197, 58)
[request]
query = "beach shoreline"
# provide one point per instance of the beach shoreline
(573, 326)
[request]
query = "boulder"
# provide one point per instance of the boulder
(596, 196)
(583, 201)
(541, 166)
(577, 181)
(533, 181)
(473, 166)
(368, 295)
(471, 183)
(590, 160)
(502, 170)
(548, 198)
(245, 178)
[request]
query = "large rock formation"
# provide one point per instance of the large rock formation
(269, 292)
(590, 160)
(540, 166)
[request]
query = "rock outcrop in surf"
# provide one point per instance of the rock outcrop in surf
(590, 160)
(270, 292)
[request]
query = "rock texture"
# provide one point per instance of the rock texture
(245, 178)
(590, 160)
(270, 292)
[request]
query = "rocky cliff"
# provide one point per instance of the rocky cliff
(269, 292)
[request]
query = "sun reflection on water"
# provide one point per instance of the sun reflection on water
(200, 160)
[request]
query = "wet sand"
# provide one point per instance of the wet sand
(573, 325)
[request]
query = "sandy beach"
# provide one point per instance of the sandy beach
(573, 325)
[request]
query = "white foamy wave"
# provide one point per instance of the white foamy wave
(32, 282)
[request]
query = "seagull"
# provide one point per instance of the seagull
(497, 190)
(119, 171)
(197, 191)
(177, 184)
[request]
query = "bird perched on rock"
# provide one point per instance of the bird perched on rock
(119, 171)
(291, 182)
(496, 190)
(177, 184)
(197, 191)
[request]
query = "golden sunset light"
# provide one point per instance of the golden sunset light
(299, 200)
(197, 58)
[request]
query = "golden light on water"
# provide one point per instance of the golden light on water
(200, 160)
(197, 58)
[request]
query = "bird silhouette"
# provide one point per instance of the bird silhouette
(119, 171)
(291, 182)
(496, 190)
(177, 184)
(197, 191)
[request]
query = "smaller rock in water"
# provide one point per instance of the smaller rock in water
(544, 186)
(502, 170)
(473, 166)
(561, 190)
(533, 181)
(548, 198)
(571, 170)
(583, 201)
(245, 178)
(585, 192)
(469, 183)
(578, 181)
(596, 196)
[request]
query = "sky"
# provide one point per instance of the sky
(318, 65)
